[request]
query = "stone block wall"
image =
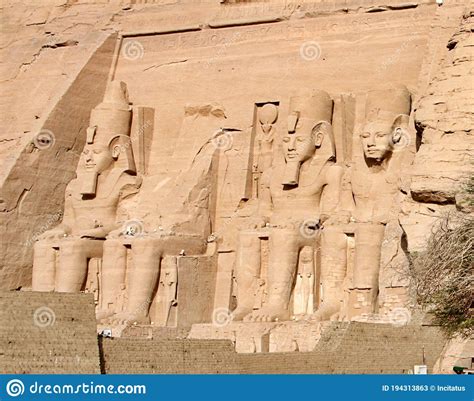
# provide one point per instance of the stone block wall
(48, 333)
(344, 348)
(197, 277)
(56, 333)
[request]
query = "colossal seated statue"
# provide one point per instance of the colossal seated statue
(105, 175)
(140, 264)
(375, 186)
(300, 192)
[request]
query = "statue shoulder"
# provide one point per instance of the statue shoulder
(72, 187)
(128, 179)
(334, 172)
(128, 184)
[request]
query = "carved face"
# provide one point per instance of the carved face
(299, 145)
(377, 140)
(96, 158)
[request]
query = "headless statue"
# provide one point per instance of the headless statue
(105, 175)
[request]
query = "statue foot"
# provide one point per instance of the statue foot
(267, 314)
(129, 318)
(300, 316)
(240, 312)
(324, 313)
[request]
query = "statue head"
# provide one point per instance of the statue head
(387, 115)
(379, 138)
(108, 144)
(96, 158)
(301, 144)
(309, 127)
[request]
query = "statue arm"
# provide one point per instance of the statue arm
(331, 200)
(68, 219)
(128, 191)
(127, 186)
(63, 228)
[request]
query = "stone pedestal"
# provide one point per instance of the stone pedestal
(263, 337)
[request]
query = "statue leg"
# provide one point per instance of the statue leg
(333, 271)
(284, 249)
(146, 255)
(247, 272)
(368, 246)
(112, 281)
(72, 267)
(44, 266)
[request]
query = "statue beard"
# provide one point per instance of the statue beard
(89, 183)
(291, 175)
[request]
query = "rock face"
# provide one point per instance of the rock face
(206, 162)
(444, 118)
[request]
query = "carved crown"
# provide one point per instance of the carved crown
(112, 117)
(317, 105)
(387, 104)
